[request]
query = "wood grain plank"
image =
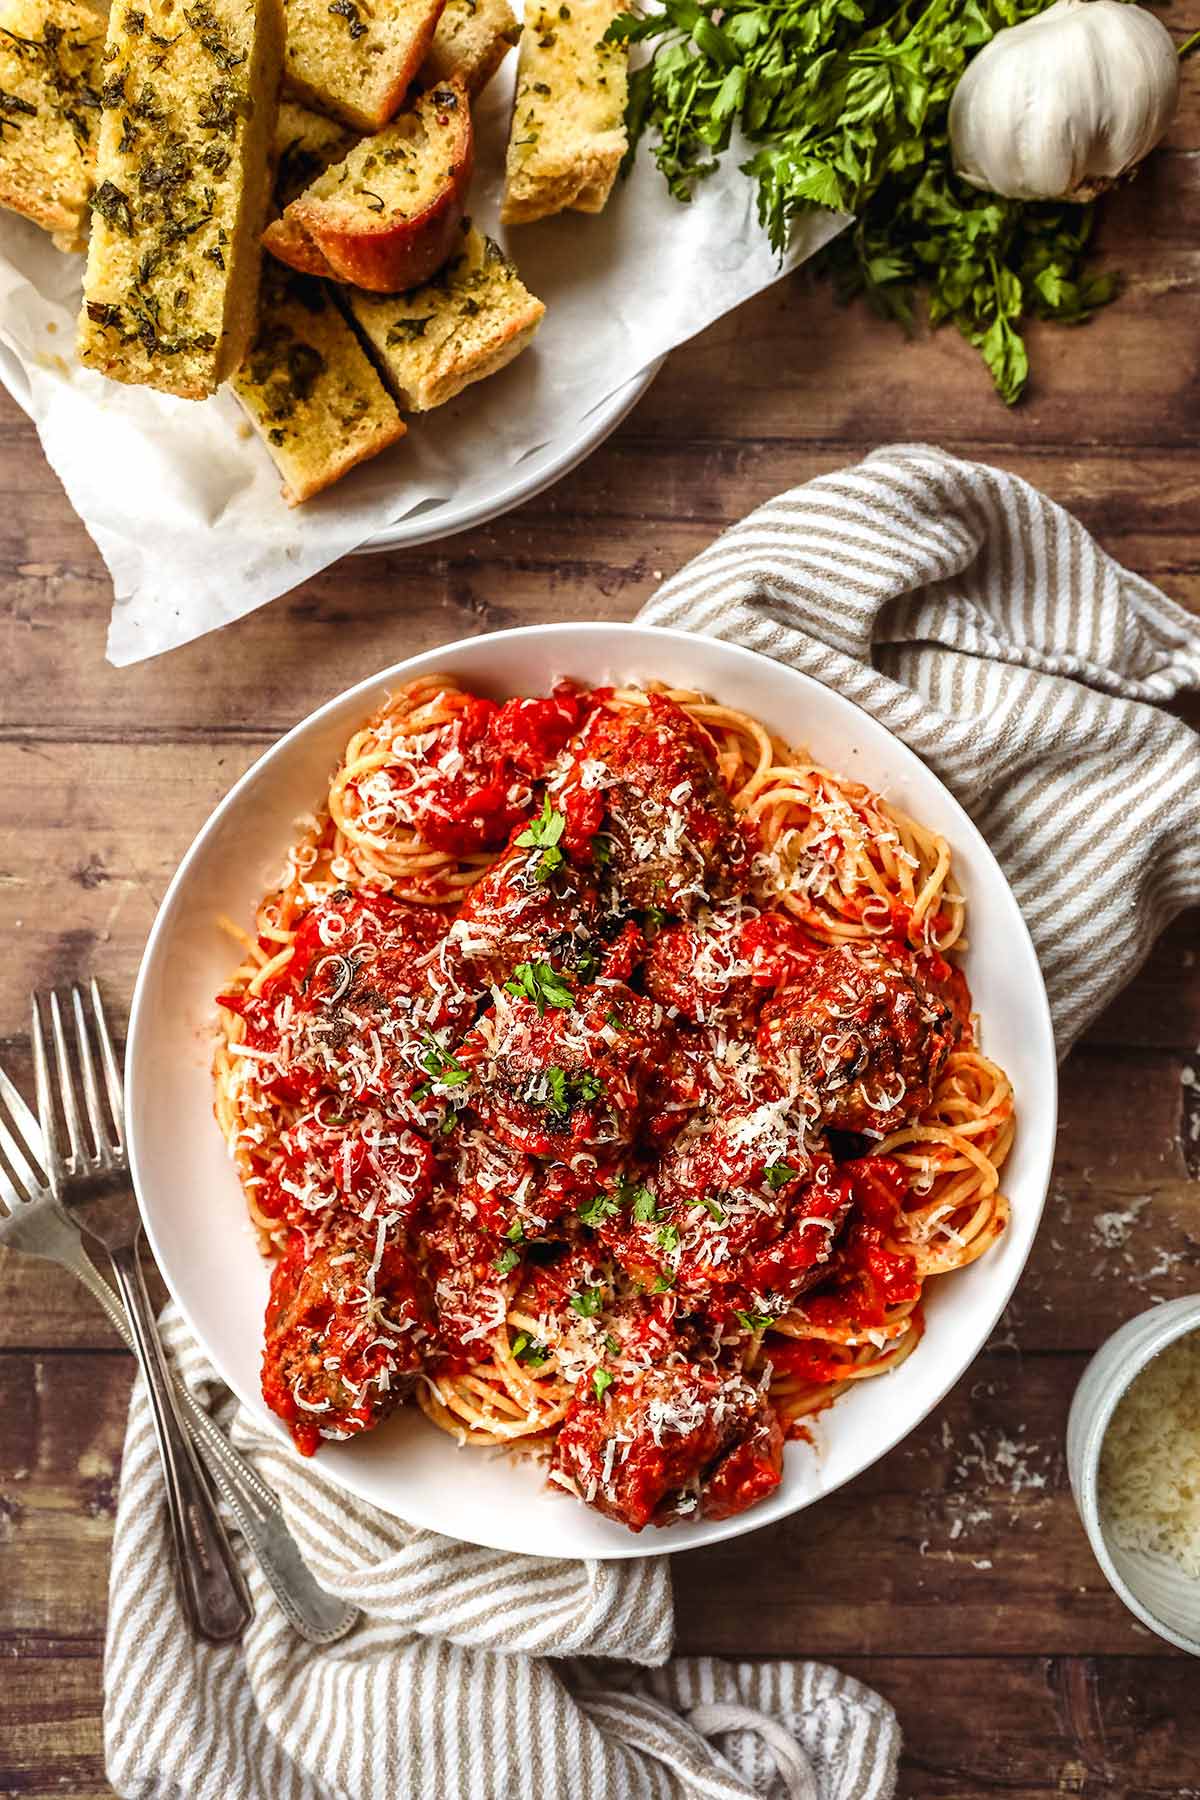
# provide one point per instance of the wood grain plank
(593, 548)
(51, 1744)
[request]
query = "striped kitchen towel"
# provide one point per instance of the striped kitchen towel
(466, 1678)
(983, 625)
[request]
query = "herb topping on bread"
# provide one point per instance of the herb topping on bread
(357, 59)
(49, 113)
(189, 98)
(432, 343)
(387, 217)
(567, 136)
(310, 389)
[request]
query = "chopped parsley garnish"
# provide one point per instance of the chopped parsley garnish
(643, 1204)
(778, 1174)
(507, 1261)
(656, 917)
(558, 1090)
(600, 1207)
(601, 1382)
(587, 1302)
(449, 1121)
(515, 1232)
(542, 984)
(543, 835)
(662, 1282)
(601, 850)
(714, 1209)
(569, 1090)
(754, 1321)
(445, 1069)
(668, 1237)
(530, 1354)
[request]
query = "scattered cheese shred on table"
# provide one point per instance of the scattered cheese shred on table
(1150, 1460)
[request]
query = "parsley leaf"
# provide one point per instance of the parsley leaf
(531, 1355)
(600, 1207)
(645, 1206)
(543, 835)
(668, 1237)
(558, 1090)
(778, 1174)
(601, 1382)
(844, 104)
(587, 1302)
(714, 1209)
(754, 1321)
(567, 1091)
(438, 1063)
(542, 984)
(507, 1261)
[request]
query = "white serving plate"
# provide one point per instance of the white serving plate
(193, 1206)
(495, 489)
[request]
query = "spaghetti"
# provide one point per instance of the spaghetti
(601, 1075)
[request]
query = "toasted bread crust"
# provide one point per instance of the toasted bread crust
(471, 41)
(289, 243)
(310, 391)
(396, 250)
(50, 76)
(567, 138)
(357, 69)
(468, 324)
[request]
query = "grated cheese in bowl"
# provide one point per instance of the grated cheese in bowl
(1149, 1485)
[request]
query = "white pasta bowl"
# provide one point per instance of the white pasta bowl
(192, 1203)
(1161, 1595)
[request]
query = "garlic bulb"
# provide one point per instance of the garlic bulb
(1059, 107)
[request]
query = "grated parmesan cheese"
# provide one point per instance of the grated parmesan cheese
(1150, 1460)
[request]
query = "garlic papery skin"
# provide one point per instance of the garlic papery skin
(1059, 107)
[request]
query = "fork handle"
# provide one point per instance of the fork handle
(317, 1616)
(214, 1593)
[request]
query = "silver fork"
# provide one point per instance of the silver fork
(36, 1225)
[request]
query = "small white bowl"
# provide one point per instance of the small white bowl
(1158, 1593)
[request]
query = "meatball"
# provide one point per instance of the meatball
(464, 782)
(521, 911)
(374, 1166)
(668, 1442)
(471, 1274)
(863, 1032)
(718, 968)
(741, 1214)
(347, 1328)
(563, 1074)
(645, 797)
(341, 1017)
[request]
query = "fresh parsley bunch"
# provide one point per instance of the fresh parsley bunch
(845, 102)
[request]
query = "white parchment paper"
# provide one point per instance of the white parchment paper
(184, 506)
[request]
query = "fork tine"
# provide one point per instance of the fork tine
(51, 1136)
(112, 1069)
(18, 1160)
(23, 1119)
(101, 1136)
(66, 1079)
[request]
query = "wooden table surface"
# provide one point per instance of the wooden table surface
(954, 1576)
